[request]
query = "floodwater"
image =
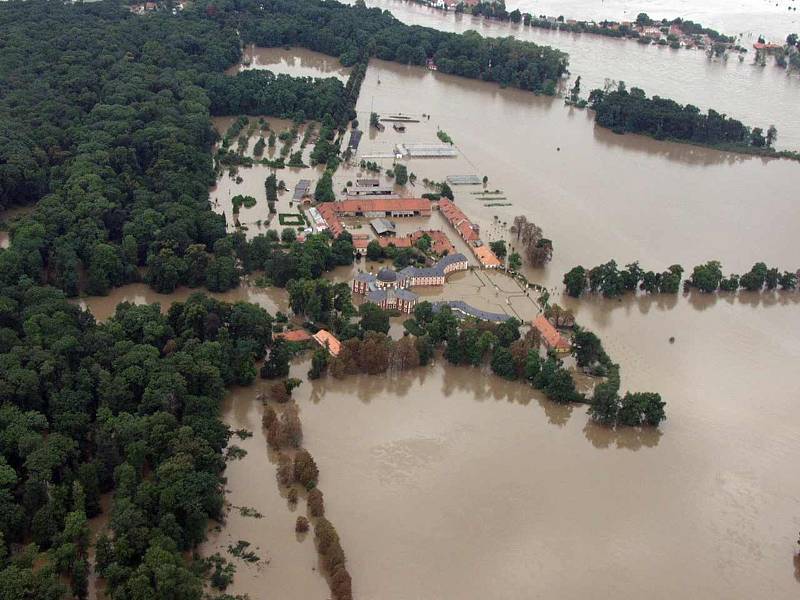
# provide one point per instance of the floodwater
(300, 63)
(288, 566)
(103, 307)
(772, 19)
(449, 471)
(757, 96)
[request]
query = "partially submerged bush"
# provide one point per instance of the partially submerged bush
(306, 472)
(301, 526)
(316, 504)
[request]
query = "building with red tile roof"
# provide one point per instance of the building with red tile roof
(440, 243)
(469, 231)
(331, 217)
(361, 240)
(552, 338)
(383, 207)
(328, 341)
(296, 335)
(401, 242)
(486, 257)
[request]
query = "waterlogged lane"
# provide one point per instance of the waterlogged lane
(758, 96)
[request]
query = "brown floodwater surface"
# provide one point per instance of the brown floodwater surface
(757, 96)
(451, 483)
(103, 307)
(300, 63)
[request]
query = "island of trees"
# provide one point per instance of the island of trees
(611, 281)
(625, 111)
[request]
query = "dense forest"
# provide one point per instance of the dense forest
(263, 93)
(625, 111)
(132, 405)
(350, 31)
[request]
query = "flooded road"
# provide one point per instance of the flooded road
(450, 483)
(757, 96)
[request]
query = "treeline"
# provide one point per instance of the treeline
(132, 406)
(368, 349)
(610, 281)
(632, 111)
(710, 278)
(353, 33)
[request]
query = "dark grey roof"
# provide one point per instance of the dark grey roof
(301, 189)
(365, 277)
(466, 309)
(382, 226)
(387, 275)
(355, 139)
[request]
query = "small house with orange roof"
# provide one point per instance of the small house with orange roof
(486, 257)
(552, 338)
(328, 341)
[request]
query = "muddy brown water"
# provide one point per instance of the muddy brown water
(744, 17)
(449, 483)
(757, 96)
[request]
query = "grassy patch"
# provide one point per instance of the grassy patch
(291, 219)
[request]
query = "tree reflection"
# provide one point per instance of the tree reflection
(628, 438)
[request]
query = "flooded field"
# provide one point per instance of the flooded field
(449, 471)
(739, 89)
(250, 181)
(300, 63)
(772, 19)
(103, 307)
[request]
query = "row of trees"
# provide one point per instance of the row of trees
(709, 278)
(537, 249)
(632, 111)
(611, 281)
(297, 468)
(354, 33)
